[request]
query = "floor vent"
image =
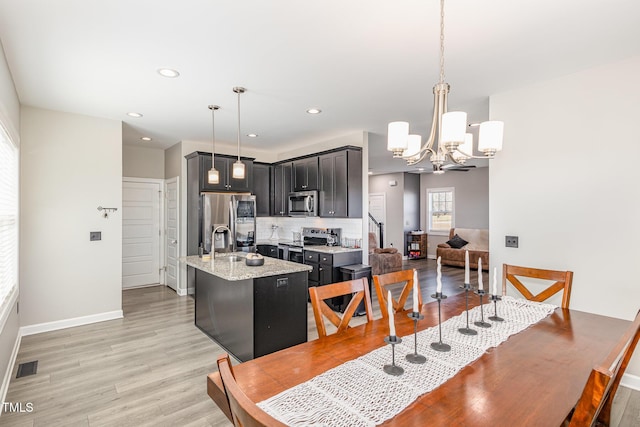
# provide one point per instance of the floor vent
(26, 369)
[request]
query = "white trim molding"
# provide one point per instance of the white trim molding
(630, 381)
(70, 323)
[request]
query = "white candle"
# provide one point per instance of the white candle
(415, 291)
(392, 326)
(495, 281)
(439, 278)
(466, 268)
(480, 286)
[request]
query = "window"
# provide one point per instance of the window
(440, 210)
(8, 224)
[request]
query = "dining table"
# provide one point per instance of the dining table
(534, 378)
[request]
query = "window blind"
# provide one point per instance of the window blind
(8, 223)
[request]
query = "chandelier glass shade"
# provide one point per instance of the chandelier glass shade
(448, 139)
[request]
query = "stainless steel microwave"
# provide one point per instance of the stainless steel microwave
(303, 203)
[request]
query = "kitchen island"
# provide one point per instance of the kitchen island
(250, 311)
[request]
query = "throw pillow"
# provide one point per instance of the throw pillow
(457, 242)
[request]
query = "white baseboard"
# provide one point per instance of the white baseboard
(12, 363)
(630, 381)
(70, 323)
(181, 292)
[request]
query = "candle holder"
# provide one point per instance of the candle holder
(393, 369)
(440, 346)
(495, 317)
(415, 357)
(481, 323)
(467, 330)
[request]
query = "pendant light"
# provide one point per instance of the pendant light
(238, 166)
(214, 175)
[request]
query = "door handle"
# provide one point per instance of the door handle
(173, 242)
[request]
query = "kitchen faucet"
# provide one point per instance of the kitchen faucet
(213, 236)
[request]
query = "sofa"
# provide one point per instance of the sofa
(452, 252)
(383, 260)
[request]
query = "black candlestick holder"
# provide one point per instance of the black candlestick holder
(495, 317)
(393, 369)
(481, 323)
(440, 346)
(415, 357)
(467, 330)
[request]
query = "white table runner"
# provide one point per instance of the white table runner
(360, 393)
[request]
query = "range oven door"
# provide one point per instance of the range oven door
(303, 203)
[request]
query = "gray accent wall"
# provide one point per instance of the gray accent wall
(411, 206)
(471, 200)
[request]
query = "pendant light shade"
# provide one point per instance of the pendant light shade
(213, 175)
(238, 166)
(238, 170)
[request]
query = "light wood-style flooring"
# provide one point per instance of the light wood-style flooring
(149, 369)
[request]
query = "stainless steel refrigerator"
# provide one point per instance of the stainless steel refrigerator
(235, 212)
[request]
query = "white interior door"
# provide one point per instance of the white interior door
(140, 233)
(171, 235)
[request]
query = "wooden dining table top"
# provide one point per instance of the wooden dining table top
(532, 379)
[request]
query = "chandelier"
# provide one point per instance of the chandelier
(448, 140)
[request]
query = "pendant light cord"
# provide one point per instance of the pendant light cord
(213, 133)
(239, 125)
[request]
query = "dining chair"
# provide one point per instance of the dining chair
(244, 412)
(562, 282)
(594, 406)
(382, 281)
(359, 288)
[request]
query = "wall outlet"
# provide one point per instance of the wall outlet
(95, 235)
(511, 241)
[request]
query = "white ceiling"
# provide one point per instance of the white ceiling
(363, 62)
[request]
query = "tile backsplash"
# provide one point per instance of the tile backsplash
(351, 227)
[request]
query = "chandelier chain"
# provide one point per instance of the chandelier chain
(441, 41)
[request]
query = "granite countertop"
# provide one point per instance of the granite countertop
(238, 270)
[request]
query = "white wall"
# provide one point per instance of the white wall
(10, 119)
(71, 164)
(566, 184)
(471, 201)
(142, 162)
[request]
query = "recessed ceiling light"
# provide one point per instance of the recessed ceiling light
(420, 169)
(252, 135)
(137, 115)
(168, 72)
(314, 111)
(370, 173)
(145, 138)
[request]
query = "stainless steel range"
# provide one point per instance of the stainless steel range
(311, 236)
